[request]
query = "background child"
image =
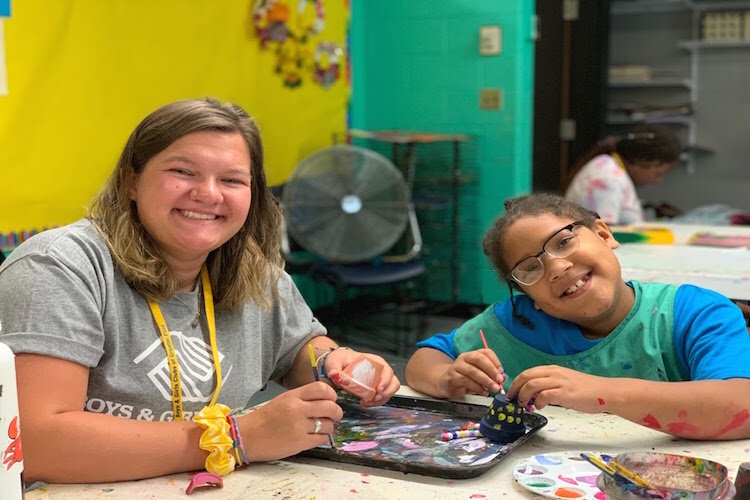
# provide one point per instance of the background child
(670, 358)
(605, 177)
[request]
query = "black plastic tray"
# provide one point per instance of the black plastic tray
(408, 435)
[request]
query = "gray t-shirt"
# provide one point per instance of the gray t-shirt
(61, 296)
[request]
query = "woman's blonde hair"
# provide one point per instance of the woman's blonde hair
(247, 266)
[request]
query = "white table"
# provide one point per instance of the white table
(725, 270)
(319, 479)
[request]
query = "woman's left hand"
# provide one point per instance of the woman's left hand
(386, 387)
(553, 384)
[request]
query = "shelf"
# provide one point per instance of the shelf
(703, 44)
(646, 6)
(656, 82)
(641, 6)
(624, 120)
(720, 5)
(698, 149)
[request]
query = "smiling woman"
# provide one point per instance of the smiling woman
(193, 197)
(102, 317)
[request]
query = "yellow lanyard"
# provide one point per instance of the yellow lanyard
(174, 367)
(618, 160)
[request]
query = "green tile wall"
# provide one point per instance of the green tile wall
(424, 73)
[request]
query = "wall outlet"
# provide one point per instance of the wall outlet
(490, 40)
(490, 99)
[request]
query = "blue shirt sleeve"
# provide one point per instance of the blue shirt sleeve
(443, 342)
(710, 335)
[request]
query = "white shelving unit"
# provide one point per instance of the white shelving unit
(644, 6)
(703, 44)
(686, 84)
(654, 82)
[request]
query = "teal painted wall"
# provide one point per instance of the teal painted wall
(416, 66)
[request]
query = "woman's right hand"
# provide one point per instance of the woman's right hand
(285, 425)
(473, 372)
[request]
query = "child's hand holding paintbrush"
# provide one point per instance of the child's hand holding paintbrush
(472, 372)
(484, 343)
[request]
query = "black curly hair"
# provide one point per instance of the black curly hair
(525, 206)
(641, 144)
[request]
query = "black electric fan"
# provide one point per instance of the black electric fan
(347, 204)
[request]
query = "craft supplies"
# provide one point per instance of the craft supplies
(317, 379)
(404, 435)
(484, 341)
(451, 435)
(742, 481)
(720, 240)
(503, 422)
(651, 235)
(563, 474)
(468, 427)
(360, 377)
(313, 363)
(668, 476)
(615, 470)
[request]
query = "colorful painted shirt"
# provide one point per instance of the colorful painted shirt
(685, 333)
(603, 186)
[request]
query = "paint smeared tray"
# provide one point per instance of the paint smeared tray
(405, 435)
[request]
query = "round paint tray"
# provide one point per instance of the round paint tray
(671, 476)
(563, 474)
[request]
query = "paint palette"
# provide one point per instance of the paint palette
(563, 474)
(406, 435)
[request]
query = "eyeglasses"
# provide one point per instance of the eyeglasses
(530, 269)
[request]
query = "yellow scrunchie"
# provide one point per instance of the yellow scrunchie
(215, 438)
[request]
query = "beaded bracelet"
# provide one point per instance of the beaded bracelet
(322, 359)
(238, 444)
(215, 438)
(235, 443)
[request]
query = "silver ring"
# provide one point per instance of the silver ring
(318, 426)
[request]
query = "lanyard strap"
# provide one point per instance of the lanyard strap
(618, 160)
(174, 366)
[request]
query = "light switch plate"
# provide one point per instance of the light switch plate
(490, 99)
(490, 40)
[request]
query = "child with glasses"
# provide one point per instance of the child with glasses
(580, 337)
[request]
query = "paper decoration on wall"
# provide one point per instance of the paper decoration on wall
(327, 63)
(287, 26)
(277, 20)
(292, 59)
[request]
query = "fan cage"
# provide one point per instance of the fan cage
(346, 204)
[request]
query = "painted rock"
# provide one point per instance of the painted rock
(503, 422)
